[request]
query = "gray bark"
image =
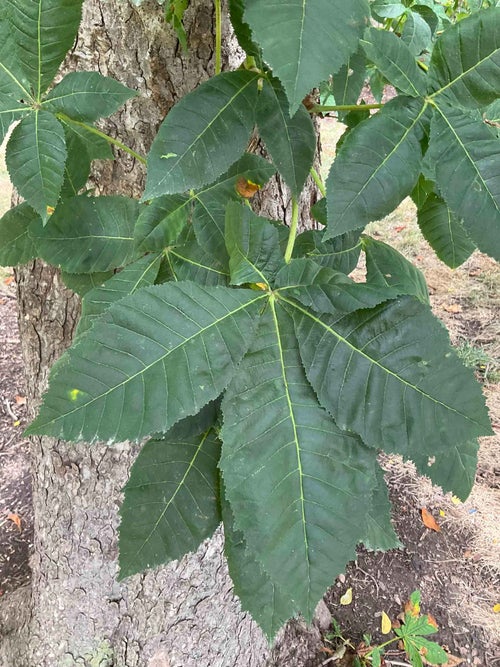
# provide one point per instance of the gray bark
(180, 615)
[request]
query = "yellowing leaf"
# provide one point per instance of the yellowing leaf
(429, 521)
(347, 597)
(385, 625)
(442, 513)
(496, 608)
(455, 500)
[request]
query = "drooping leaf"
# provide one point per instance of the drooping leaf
(465, 64)
(291, 141)
(139, 274)
(87, 96)
(467, 163)
(444, 232)
(422, 190)
(81, 283)
(160, 223)
(340, 253)
(170, 500)
(416, 34)
(166, 350)
(89, 234)
(321, 35)
(16, 246)
(390, 375)
(43, 32)
(348, 82)
(387, 9)
(387, 267)
(395, 60)
(188, 260)
(429, 15)
(253, 246)
(192, 146)
(379, 531)
(376, 167)
(35, 156)
(294, 480)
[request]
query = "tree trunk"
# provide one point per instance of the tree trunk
(183, 614)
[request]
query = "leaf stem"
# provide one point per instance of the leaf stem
(293, 230)
(319, 181)
(321, 108)
(69, 121)
(218, 36)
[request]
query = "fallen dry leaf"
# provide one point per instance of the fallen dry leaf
(429, 521)
(16, 519)
(452, 308)
(496, 608)
(347, 597)
(20, 400)
(385, 624)
(8, 280)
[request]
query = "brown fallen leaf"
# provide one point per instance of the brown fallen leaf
(16, 519)
(8, 280)
(429, 521)
(399, 228)
(452, 308)
(453, 661)
(20, 400)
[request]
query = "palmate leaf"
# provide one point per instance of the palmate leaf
(242, 29)
(16, 246)
(465, 64)
(467, 164)
(188, 260)
(160, 222)
(97, 147)
(77, 167)
(171, 500)
(377, 166)
(296, 483)
(444, 232)
(35, 156)
(389, 374)
(87, 96)
(192, 146)
(387, 9)
(43, 32)
(321, 35)
(154, 358)
(89, 234)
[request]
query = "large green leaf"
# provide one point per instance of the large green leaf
(387, 9)
(35, 156)
(467, 164)
(390, 375)
(340, 253)
(296, 483)
(155, 357)
(139, 274)
(43, 31)
(170, 500)
(291, 142)
(379, 532)
(160, 222)
(10, 110)
(89, 234)
(16, 246)
(203, 134)
(395, 60)
(242, 29)
(87, 96)
(12, 79)
(444, 232)
(188, 260)
(376, 167)
(465, 63)
(320, 37)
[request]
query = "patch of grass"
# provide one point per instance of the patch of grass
(477, 358)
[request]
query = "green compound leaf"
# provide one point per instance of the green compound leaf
(465, 63)
(87, 96)
(321, 35)
(242, 29)
(16, 246)
(379, 532)
(89, 234)
(395, 60)
(340, 253)
(139, 274)
(377, 166)
(43, 32)
(35, 156)
(296, 483)
(188, 260)
(77, 167)
(291, 141)
(467, 164)
(154, 358)
(97, 147)
(444, 232)
(171, 499)
(203, 134)
(390, 375)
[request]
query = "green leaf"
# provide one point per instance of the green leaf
(348, 82)
(141, 273)
(387, 9)
(465, 64)
(160, 222)
(188, 260)
(390, 375)
(376, 656)
(242, 29)
(35, 156)
(253, 246)
(88, 234)
(444, 232)
(12, 79)
(377, 166)
(388, 267)
(97, 147)
(395, 60)
(296, 483)
(43, 31)
(16, 247)
(77, 167)
(340, 253)
(87, 96)
(379, 532)
(291, 141)
(166, 350)
(193, 146)
(467, 163)
(320, 37)
(10, 110)
(170, 500)
(416, 34)
(456, 472)
(265, 601)
(81, 283)
(422, 190)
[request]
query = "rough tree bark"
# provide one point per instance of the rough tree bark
(76, 613)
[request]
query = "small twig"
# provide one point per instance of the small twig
(9, 410)
(399, 664)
